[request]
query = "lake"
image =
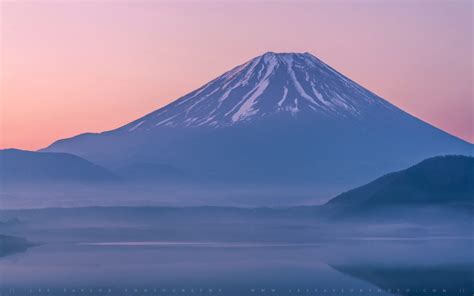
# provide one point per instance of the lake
(350, 266)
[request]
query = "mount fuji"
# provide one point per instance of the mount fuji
(295, 84)
(281, 124)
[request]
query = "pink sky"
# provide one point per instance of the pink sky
(73, 67)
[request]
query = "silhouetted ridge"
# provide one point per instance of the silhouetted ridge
(443, 179)
(19, 166)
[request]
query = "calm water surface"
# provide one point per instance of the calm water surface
(342, 267)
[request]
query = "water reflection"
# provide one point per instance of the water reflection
(447, 279)
(368, 267)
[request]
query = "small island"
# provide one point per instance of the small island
(13, 244)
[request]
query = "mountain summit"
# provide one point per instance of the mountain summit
(274, 83)
(284, 126)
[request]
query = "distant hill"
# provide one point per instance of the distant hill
(439, 182)
(26, 167)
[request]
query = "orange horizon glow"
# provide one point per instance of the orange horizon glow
(73, 67)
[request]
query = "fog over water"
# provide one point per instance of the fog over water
(232, 251)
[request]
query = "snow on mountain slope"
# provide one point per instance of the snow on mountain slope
(294, 83)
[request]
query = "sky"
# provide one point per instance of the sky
(68, 67)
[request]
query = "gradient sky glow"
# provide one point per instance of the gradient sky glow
(73, 67)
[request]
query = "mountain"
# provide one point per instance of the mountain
(282, 126)
(445, 182)
(22, 167)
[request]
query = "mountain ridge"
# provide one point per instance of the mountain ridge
(444, 181)
(20, 165)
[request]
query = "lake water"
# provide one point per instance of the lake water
(443, 266)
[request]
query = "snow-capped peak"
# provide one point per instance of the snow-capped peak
(270, 84)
